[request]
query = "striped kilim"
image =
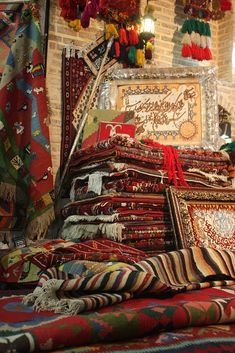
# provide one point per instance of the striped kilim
(166, 274)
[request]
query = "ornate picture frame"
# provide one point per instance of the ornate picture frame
(175, 106)
(203, 217)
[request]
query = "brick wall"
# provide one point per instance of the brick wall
(170, 16)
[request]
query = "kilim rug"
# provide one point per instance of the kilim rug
(79, 69)
(25, 159)
(23, 330)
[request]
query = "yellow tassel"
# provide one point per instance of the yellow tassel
(149, 46)
(140, 57)
(184, 2)
(110, 29)
(75, 24)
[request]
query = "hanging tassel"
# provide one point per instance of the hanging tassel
(85, 18)
(203, 42)
(133, 37)
(184, 28)
(75, 24)
(93, 8)
(123, 53)
(148, 51)
(117, 49)
(186, 51)
(225, 5)
(207, 54)
(187, 39)
(193, 37)
(123, 36)
(194, 49)
(197, 39)
(201, 55)
(132, 54)
(207, 30)
(140, 57)
(110, 29)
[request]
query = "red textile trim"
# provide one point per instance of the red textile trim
(171, 162)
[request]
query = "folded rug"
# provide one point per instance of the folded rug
(165, 274)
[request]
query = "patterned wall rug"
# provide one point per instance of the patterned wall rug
(79, 70)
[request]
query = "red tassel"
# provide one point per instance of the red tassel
(123, 36)
(85, 19)
(201, 55)
(133, 37)
(186, 51)
(117, 49)
(207, 54)
(195, 52)
(171, 162)
(225, 5)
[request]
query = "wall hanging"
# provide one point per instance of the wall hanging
(196, 42)
(174, 106)
(133, 43)
(25, 156)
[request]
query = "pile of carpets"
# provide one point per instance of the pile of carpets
(117, 190)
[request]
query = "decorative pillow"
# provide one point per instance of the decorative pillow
(96, 116)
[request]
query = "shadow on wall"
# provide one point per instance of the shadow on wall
(177, 59)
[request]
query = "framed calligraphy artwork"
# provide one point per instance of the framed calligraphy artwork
(175, 106)
(203, 217)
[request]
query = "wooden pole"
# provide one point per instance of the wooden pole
(83, 119)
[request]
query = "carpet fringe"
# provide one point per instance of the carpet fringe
(90, 231)
(7, 191)
(37, 228)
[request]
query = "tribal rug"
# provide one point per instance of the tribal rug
(213, 338)
(79, 69)
(25, 158)
(174, 322)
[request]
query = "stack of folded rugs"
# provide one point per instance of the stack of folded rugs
(117, 190)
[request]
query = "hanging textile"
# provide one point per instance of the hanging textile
(196, 42)
(78, 74)
(25, 159)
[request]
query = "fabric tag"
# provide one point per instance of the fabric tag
(95, 183)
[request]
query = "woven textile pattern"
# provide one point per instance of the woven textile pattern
(25, 158)
(165, 274)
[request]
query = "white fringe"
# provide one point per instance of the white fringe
(45, 298)
(101, 218)
(98, 175)
(210, 176)
(78, 231)
(90, 231)
(112, 231)
(37, 228)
